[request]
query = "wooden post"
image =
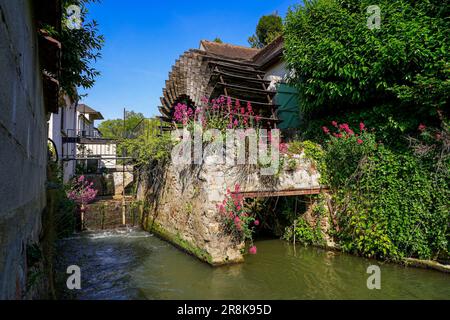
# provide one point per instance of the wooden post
(124, 221)
(295, 224)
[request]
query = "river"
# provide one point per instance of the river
(133, 264)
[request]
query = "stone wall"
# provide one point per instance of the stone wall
(184, 209)
(23, 140)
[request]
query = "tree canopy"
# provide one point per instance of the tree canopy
(80, 48)
(118, 128)
(340, 63)
(268, 28)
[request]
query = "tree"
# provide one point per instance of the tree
(80, 48)
(118, 128)
(340, 63)
(268, 28)
(218, 40)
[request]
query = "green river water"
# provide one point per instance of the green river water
(132, 264)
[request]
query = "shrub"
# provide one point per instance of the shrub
(304, 232)
(340, 63)
(390, 204)
(237, 217)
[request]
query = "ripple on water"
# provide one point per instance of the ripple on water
(131, 264)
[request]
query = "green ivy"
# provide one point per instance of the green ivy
(304, 232)
(394, 205)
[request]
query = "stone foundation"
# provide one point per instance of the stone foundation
(184, 209)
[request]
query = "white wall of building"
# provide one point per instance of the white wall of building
(277, 73)
(61, 125)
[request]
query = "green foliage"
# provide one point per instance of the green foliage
(304, 233)
(390, 187)
(237, 216)
(62, 209)
(80, 48)
(340, 63)
(268, 28)
(138, 137)
(147, 146)
(344, 156)
(313, 152)
(118, 128)
(390, 204)
(218, 40)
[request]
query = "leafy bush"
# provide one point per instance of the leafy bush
(345, 149)
(339, 63)
(304, 232)
(313, 152)
(389, 204)
(390, 187)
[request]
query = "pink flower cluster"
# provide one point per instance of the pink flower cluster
(284, 148)
(344, 131)
(422, 127)
(237, 216)
(217, 111)
(82, 191)
(183, 113)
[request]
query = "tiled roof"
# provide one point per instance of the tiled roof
(85, 109)
(228, 50)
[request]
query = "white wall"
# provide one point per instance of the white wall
(62, 124)
(277, 73)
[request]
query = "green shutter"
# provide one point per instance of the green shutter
(288, 109)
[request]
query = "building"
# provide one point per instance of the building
(30, 66)
(183, 205)
(251, 75)
(80, 146)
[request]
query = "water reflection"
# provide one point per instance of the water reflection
(136, 265)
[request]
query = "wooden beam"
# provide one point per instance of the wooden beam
(282, 193)
(231, 75)
(236, 67)
(253, 102)
(242, 88)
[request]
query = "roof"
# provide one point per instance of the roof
(228, 50)
(218, 69)
(85, 109)
(270, 53)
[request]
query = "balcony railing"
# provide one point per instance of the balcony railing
(88, 134)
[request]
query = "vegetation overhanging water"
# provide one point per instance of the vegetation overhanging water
(132, 264)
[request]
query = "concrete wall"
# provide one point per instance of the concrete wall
(23, 140)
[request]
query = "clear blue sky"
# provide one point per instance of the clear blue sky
(145, 37)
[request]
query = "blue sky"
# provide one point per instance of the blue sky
(145, 37)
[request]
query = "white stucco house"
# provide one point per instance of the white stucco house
(79, 144)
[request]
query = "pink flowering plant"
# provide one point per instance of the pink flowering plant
(221, 113)
(82, 191)
(237, 217)
(346, 148)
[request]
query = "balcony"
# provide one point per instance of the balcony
(87, 136)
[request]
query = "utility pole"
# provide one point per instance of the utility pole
(123, 170)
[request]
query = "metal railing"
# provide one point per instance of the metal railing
(87, 133)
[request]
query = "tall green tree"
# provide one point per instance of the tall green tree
(341, 63)
(268, 28)
(81, 47)
(118, 128)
